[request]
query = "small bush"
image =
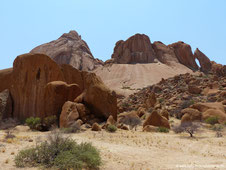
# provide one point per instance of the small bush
(50, 121)
(189, 127)
(217, 127)
(131, 121)
(212, 120)
(187, 103)
(161, 100)
(60, 153)
(74, 128)
(111, 128)
(34, 123)
(163, 130)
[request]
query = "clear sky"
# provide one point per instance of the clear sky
(26, 24)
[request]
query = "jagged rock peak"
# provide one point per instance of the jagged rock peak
(70, 49)
(136, 49)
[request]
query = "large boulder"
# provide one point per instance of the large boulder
(214, 113)
(136, 49)
(70, 49)
(101, 101)
(204, 61)
(190, 115)
(218, 69)
(151, 100)
(202, 107)
(184, 54)
(31, 73)
(56, 94)
(69, 114)
(6, 105)
(164, 53)
(155, 119)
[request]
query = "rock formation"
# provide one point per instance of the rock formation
(70, 49)
(164, 53)
(39, 87)
(204, 61)
(184, 54)
(136, 49)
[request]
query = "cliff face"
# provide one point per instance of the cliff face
(70, 49)
(137, 49)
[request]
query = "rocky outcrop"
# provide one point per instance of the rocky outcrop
(31, 73)
(6, 105)
(218, 69)
(155, 119)
(56, 94)
(164, 53)
(39, 87)
(204, 61)
(136, 49)
(5, 79)
(69, 114)
(70, 49)
(184, 54)
(101, 101)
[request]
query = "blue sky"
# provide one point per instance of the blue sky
(26, 24)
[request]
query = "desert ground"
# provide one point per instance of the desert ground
(134, 149)
(126, 79)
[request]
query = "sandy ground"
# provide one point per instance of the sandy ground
(136, 150)
(128, 78)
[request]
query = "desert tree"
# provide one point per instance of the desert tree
(188, 127)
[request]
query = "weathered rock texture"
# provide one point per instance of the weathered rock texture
(56, 93)
(184, 54)
(204, 61)
(31, 73)
(70, 49)
(39, 87)
(136, 49)
(164, 53)
(6, 105)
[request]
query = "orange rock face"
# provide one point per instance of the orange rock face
(137, 49)
(184, 54)
(39, 87)
(56, 94)
(156, 120)
(31, 73)
(203, 60)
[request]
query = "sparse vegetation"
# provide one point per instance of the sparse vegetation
(212, 120)
(163, 130)
(189, 127)
(74, 128)
(187, 103)
(133, 122)
(111, 128)
(34, 123)
(60, 153)
(161, 100)
(9, 135)
(49, 122)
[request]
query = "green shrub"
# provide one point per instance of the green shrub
(50, 121)
(111, 128)
(60, 153)
(212, 120)
(161, 100)
(34, 123)
(217, 127)
(163, 130)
